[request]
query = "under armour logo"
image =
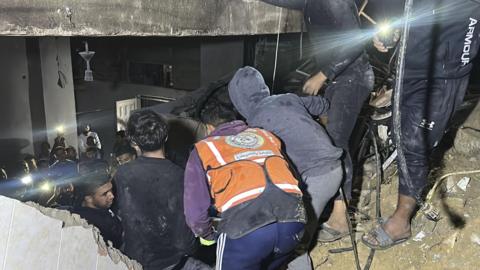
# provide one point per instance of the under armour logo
(427, 125)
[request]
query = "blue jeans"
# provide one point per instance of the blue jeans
(265, 248)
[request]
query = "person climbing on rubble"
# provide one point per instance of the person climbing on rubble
(440, 49)
(243, 172)
(346, 77)
(307, 144)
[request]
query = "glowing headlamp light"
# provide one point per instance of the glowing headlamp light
(27, 180)
(386, 34)
(46, 187)
(60, 129)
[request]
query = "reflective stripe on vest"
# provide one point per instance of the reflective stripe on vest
(237, 166)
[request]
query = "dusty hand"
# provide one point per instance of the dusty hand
(314, 84)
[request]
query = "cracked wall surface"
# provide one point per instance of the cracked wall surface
(35, 237)
(144, 18)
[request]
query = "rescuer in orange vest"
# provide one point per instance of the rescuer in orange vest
(242, 172)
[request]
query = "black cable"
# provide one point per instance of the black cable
(398, 94)
(378, 213)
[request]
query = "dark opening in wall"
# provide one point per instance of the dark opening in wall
(151, 74)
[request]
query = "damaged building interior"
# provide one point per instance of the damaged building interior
(239, 134)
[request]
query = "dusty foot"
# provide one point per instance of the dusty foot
(395, 228)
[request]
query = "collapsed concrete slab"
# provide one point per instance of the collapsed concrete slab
(35, 237)
(144, 18)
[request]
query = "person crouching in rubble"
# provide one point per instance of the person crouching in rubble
(307, 144)
(259, 202)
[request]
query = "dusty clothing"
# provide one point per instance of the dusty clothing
(288, 116)
(255, 153)
(438, 61)
(423, 126)
(444, 40)
(106, 221)
(150, 204)
(347, 97)
(272, 205)
(269, 211)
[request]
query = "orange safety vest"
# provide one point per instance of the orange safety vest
(239, 166)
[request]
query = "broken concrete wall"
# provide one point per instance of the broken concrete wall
(143, 18)
(34, 237)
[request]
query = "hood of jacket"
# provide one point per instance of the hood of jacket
(247, 89)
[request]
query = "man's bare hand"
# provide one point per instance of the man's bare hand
(379, 45)
(313, 85)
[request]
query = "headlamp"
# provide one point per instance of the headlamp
(386, 34)
(60, 129)
(46, 187)
(26, 180)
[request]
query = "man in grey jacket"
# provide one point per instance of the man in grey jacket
(306, 143)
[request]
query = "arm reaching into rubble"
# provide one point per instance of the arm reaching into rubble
(196, 198)
(316, 105)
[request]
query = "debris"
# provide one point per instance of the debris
(463, 183)
(450, 185)
(419, 237)
(475, 239)
(451, 240)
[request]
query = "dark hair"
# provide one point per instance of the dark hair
(215, 113)
(147, 130)
(58, 148)
(93, 174)
(125, 149)
(90, 141)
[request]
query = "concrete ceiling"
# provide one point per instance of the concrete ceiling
(143, 18)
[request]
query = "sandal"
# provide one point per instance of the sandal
(383, 240)
(329, 234)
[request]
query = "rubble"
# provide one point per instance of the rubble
(451, 243)
(59, 240)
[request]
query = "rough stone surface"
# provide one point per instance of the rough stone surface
(47, 238)
(467, 141)
(143, 18)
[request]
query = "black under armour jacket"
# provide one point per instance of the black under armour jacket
(444, 39)
(334, 32)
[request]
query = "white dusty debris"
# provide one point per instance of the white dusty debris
(47, 238)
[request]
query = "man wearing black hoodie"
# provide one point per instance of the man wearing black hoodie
(307, 144)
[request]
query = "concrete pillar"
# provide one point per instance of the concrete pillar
(220, 57)
(15, 120)
(58, 92)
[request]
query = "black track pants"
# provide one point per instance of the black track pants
(426, 108)
(347, 96)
